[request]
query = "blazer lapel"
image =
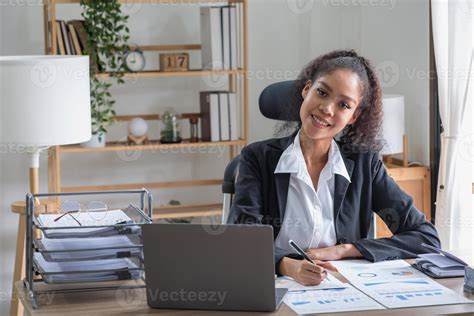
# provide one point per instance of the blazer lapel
(341, 185)
(282, 182)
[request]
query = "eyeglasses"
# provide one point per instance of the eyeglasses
(96, 211)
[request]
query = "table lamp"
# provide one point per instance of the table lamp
(44, 101)
(393, 128)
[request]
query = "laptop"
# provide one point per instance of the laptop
(214, 267)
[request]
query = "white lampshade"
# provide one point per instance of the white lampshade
(44, 100)
(393, 127)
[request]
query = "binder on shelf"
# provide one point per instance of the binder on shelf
(224, 120)
(211, 38)
(209, 105)
(219, 38)
(225, 28)
(233, 38)
(219, 116)
(233, 117)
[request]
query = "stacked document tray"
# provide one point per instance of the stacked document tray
(80, 248)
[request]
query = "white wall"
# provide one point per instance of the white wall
(283, 36)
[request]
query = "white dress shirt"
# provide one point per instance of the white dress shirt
(309, 213)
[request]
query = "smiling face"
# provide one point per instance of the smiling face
(330, 104)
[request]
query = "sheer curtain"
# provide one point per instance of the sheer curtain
(453, 44)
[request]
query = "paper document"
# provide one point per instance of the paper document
(109, 268)
(328, 283)
(111, 217)
(74, 249)
(330, 301)
(396, 284)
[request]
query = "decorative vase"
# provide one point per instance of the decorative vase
(97, 140)
(170, 127)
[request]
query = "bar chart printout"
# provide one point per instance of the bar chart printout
(329, 301)
(395, 284)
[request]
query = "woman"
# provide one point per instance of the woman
(321, 193)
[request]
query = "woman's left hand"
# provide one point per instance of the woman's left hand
(337, 252)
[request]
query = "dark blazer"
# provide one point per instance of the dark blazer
(260, 198)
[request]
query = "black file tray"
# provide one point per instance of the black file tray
(97, 253)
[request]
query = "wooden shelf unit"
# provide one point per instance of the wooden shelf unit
(168, 74)
(238, 83)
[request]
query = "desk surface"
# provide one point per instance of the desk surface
(133, 302)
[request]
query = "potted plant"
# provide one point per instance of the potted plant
(107, 35)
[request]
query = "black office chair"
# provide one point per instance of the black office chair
(273, 102)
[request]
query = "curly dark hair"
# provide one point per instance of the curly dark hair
(365, 130)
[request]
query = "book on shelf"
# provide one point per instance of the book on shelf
(66, 41)
(80, 30)
(71, 37)
(59, 39)
(219, 116)
(219, 38)
(75, 40)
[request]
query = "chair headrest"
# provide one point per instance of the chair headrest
(276, 98)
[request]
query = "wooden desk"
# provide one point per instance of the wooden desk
(133, 302)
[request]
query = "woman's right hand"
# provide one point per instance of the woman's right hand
(305, 272)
